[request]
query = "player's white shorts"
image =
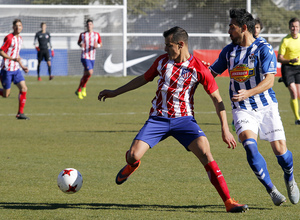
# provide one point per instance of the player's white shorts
(265, 122)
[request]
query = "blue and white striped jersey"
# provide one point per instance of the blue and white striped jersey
(247, 67)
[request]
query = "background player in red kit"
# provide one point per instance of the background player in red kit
(172, 112)
(10, 67)
(88, 41)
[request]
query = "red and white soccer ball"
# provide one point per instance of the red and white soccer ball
(69, 180)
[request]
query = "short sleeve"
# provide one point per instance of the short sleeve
(6, 42)
(220, 65)
(152, 72)
(268, 60)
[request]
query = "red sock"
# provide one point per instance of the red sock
(85, 80)
(22, 101)
(216, 178)
(79, 87)
(131, 164)
(1, 92)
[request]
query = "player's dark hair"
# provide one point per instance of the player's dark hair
(243, 17)
(89, 20)
(293, 20)
(178, 34)
(16, 21)
(258, 21)
(42, 24)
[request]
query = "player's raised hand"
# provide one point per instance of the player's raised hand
(106, 94)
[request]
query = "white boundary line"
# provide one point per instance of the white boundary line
(107, 114)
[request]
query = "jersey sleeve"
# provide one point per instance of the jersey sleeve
(220, 65)
(99, 39)
(282, 47)
(268, 59)
(49, 41)
(207, 80)
(6, 42)
(152, 72)
(35, 42)
(79, 39)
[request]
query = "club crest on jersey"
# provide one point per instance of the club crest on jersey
(251, 60)
(185, 73)
(241, 73)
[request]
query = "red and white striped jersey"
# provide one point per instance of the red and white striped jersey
(11, 46)
(91, 40)
(177, 84)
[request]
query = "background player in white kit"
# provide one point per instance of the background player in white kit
(252, 64)
(88, 41)
(172, 112)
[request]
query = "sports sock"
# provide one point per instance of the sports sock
(22, 101)
(131, 164)
(286, 162)
(218, 181)
(86, 79)
(83, 81)
(1, 92)
(80, 84)
(49, 70)
(38, 70)
(257, 163)
(295, 108)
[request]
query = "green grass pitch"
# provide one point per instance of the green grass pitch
(93, 137)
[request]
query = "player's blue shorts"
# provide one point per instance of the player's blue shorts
(88, 64)
(184, 129)
(7, 77)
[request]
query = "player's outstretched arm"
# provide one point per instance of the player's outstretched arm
(133, 84)
(220, 109)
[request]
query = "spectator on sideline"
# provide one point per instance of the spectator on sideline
(10, 67)
(288, 56)
(252, 66)
(88, 41)
(172, 113)
(42, 42)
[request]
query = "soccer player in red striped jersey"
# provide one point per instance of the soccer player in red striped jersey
(10, 67)
(172, 112)
(88, 41)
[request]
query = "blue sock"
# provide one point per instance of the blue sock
(286, 162)
(257, 163)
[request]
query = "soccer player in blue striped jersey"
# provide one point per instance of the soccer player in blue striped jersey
(252, 66)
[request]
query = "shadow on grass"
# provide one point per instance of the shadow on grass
(115, 206)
